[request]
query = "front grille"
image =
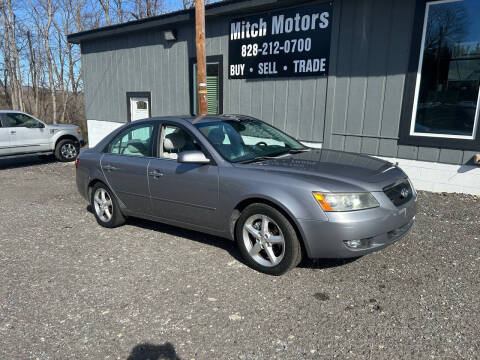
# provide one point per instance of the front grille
(399, 193)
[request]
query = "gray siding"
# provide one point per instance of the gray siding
(357, 108)
(371, 53)
(136, 62)
(368, 64)
(143, 61)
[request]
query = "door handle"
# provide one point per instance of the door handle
(155, 173)
(13, 132)
(110, 168)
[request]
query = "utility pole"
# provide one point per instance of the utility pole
(201, 57)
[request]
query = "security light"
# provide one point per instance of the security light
(170, 35)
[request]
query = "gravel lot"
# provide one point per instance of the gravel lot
(70, 289)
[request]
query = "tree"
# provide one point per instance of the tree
(40, 72)
(146, 8)
(188, 4)
(11, 56)
(105, 4)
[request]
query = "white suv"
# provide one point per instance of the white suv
(21, 133)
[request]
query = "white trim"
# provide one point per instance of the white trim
(418, 81)
(438, 177)
(98, 129)
(475, 123)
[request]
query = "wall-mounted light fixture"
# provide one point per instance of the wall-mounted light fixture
(170, 35)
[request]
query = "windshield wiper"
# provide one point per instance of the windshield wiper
(273, 156)
(260, 158)
(289, 151)
(250, 161)
(298, 151)
(255, 159)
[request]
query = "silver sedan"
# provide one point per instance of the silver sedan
(241, 179)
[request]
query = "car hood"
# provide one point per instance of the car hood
(340, 171)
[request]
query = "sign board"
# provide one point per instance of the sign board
(284, 43)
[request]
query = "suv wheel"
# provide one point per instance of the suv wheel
(66, 150)
(267, 240)
(105, 207)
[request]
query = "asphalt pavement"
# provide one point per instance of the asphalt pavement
(70, 289)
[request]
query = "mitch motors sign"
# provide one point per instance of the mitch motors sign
(286, 43)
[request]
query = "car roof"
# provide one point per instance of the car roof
(204, 118)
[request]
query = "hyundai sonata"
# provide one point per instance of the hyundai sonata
(241, 179)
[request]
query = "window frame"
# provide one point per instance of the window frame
(134, 94)
(153, 144)
(407, 134)
(13, 113)
(159, 141)
(210, 59)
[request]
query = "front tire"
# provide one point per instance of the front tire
(67, 150)
(267, 240)
(105, 207)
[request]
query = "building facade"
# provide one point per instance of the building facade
(397, 79)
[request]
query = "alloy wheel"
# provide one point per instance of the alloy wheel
(264, 240)
(68, 151)
(103, 205)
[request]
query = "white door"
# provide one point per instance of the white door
(139, 108)
(27, 134)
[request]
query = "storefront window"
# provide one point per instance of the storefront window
(447, 89)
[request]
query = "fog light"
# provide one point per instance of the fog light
(354, 244)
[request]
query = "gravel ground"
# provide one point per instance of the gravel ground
(70, 289)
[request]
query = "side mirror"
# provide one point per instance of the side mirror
(192, 157)
(41, 125)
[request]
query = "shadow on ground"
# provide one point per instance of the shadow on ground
(25, 161)
(211, 240)
(227, 245)
(153, 352)
(325, 263)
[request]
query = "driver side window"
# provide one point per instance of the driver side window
(21, 120)
(174, 141)
(134, 141)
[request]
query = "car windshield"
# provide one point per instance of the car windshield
(247, 140)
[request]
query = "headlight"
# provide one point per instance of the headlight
(345, 201)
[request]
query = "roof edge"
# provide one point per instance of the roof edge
(176, 17)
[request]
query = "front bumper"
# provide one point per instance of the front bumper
(377, 228)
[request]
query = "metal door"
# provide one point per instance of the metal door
(186, 193)
(125, 166)
(27, 134)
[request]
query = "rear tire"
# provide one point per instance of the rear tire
(267, 240)
(105, 207)
(67, 150)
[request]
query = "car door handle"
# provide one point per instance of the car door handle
(110, 168)
(155, 173)
(13, 132)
